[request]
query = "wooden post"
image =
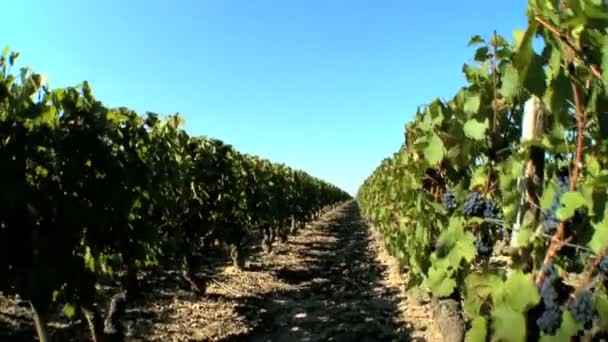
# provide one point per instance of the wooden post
(531, 184)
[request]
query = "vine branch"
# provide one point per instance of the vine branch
(556, 244)
(594, 69)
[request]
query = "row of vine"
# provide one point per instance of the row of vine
(91, 193)
(507, 218)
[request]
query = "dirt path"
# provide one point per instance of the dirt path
(333, 281)
(348, 288)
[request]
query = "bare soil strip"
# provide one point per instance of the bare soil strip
(333, 281)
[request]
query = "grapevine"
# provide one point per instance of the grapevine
(91, 194)
(542, 184)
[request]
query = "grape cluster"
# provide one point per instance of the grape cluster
(551, 221)
(474, 205)
(581, 308)
(563, 180)
(448, 199)
(551, 318)
(490, 210)
(483, 246)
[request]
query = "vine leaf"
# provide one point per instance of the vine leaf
(435, 150)
(600, 236)
(478, 288)
(571, 201)
(440, 282)
(472, 104)
(475, 129)
(601, 305)
(508, 325)
(453, 246)
(476, 39)
(69, 310)
(478, 330)
(518, 292)
(605, 60)
(510, 82)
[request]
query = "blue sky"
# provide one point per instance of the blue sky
(322, 85)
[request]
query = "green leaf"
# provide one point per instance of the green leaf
(525, 235)
(474, 73)
(601, 306)
(472, 103)
(604, 52)
(520, 292)
(525, 56)
(69, 310)
(476, 39)
(440, 284)
(564, 213)
(560, 90)
(481, 54)
(518, 36)
(478, 330)
(599, 240)
(460, 244)
(594, 11)
(89, 260)
(475, 129)
(573, 200)
(508, 325)
(547, 197)
(479, 177)
(593, 166)
(478, 288)
(510, 82)
(434, 151)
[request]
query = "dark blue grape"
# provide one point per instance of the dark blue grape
(492, 214)
(474, 205)
(448, 199)
(603, 266)
(491, 210)
(581, 308)
(551, 318)
(551, 272)
(551, 221)
(483, 247)
(548, 292)
(564, 183)
(500, 233)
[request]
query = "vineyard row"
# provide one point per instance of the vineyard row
(497, 202)
(91, 193)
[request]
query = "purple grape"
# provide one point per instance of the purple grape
(448, 199)
(551, 318)
(581, 308)
(474, 205)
